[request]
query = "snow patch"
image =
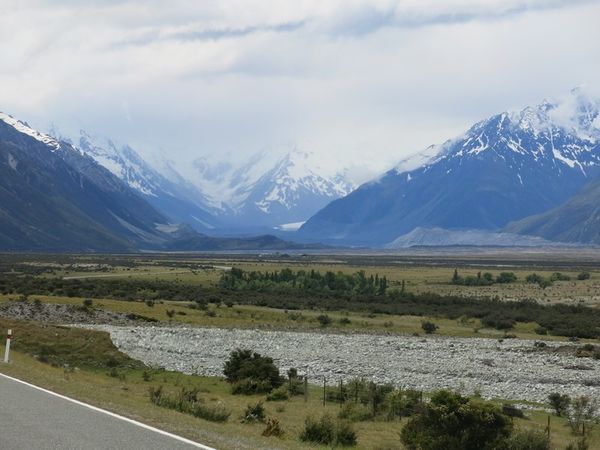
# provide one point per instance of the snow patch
(22, 127)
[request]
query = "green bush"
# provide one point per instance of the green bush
(281, 393)
(320, 431)
(453, 422)
(325, 432)
(345, 435)
(187, 402)
(583, 276)
(324, 320)
(526, 440)
(251, 373)
(429, 327)
(559, 402)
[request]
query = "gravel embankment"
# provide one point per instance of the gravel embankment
(510, 369)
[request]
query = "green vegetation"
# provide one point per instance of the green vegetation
(188, 402)
(305, 282)
(251, 373)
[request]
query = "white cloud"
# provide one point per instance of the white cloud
(348, 78)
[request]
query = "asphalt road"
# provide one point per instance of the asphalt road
(34, 419)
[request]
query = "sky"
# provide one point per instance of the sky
(356, 82)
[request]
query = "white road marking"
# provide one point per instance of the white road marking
(117, 416)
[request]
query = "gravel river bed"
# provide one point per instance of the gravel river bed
(510, 369)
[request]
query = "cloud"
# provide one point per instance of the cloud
(343, 78)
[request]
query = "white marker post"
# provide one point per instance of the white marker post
(7, 349)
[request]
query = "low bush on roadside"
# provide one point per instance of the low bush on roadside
(187, 402)
(327, 432)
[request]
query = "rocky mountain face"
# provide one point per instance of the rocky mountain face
(54, 197)
(504, 168)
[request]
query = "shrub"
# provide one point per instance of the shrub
(559, 402)
(512, 411)
(581, 410)
(557, 276)
(526, 440)
(320, 431)
(210, 313)
(506, 277)
(345, 435)
(281, 393)
(170, 313)
(429, 327)
(273, 428)
(324, 320)
(581, 444)
(355, 412)
(251, 373)
(345, 321)
(149, 303)
(216, 413)
(541, 330)
(187, 402)
(88, 302)
(451, 421)
(254, 413)
(583, 276)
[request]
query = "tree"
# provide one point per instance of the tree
(453, 422)
(559, 402)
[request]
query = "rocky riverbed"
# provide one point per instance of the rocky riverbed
(511, 369)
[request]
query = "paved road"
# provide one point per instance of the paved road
(34, 419)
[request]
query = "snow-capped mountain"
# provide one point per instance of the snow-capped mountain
(269, 192)
(178, 199)
(54, 197)
(504, 168)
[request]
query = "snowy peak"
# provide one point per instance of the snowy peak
(23, 127)
(296, 174)
(123, 162)
(563, 131)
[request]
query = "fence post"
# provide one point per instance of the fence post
(324, 389)
(548, 428)
(305, 388)
(7, 348)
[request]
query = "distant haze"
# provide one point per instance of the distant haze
(363, 82)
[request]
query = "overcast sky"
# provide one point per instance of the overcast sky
(346, 79)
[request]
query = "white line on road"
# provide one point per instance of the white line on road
(117, 416)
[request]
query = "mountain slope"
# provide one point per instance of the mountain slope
(577, 220)
(502, 169)
(56, 198)
(177, 199)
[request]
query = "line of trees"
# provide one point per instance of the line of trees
(308, 281)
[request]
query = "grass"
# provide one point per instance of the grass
(248, 316)
(128, 394)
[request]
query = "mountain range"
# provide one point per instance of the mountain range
(503, 169)
(57, 197)
(530, 177)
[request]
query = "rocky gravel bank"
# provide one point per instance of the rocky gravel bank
(511, 369)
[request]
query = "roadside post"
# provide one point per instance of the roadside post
(7, 348)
